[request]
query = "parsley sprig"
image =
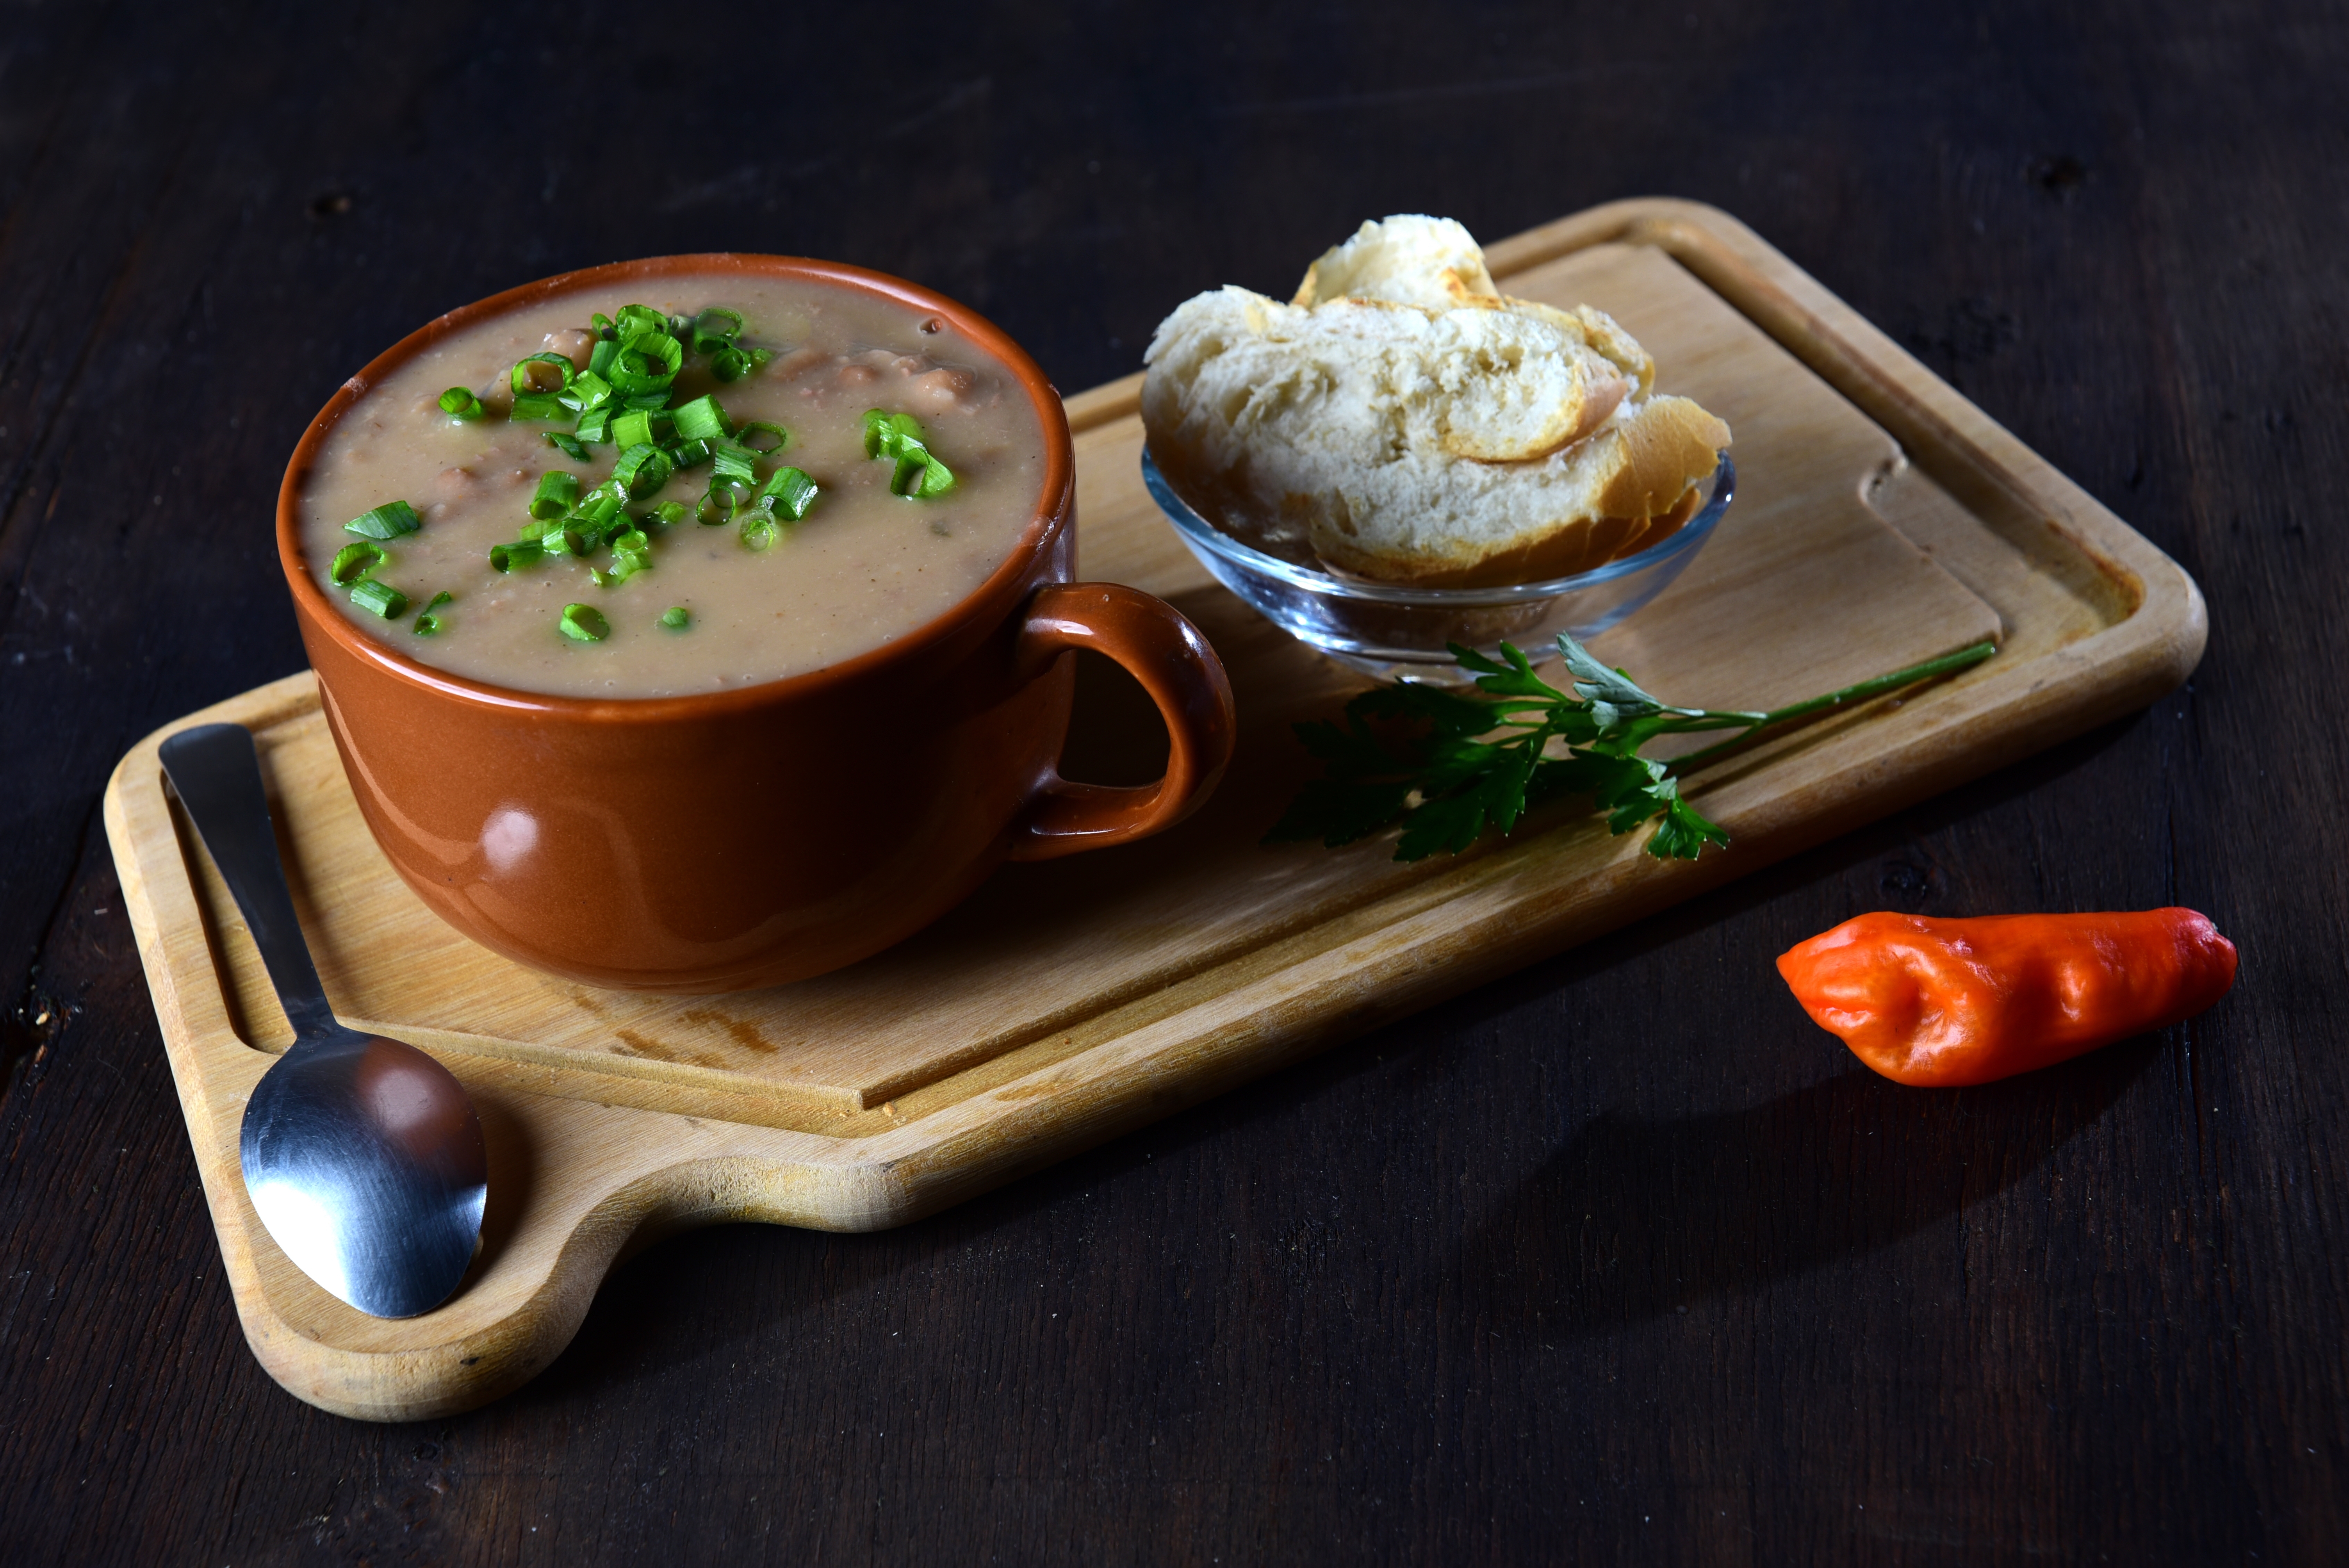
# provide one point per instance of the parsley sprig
(1448, 767)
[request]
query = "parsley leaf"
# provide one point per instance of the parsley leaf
(1446, 767)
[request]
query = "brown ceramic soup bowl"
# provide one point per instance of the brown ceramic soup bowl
(764, 834)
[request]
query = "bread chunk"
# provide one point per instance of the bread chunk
(1404, 421)
(1430, 262)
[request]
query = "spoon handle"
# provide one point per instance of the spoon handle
(217, 774)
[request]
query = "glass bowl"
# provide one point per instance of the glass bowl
(1383, 629)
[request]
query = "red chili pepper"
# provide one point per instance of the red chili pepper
(1942, 1003)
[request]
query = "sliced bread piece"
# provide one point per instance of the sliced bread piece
(1600, 331)
(1474, 525)
(1516, 387)
(1436, 264)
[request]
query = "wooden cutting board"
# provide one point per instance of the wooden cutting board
(1880, 519)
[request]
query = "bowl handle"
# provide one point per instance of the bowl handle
(1175, 664)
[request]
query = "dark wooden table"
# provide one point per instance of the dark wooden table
(1618, 1260)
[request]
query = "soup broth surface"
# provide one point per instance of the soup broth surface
(864, 567)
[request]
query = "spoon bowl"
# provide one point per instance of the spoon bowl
(363, 1156)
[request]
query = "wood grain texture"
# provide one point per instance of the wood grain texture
(1421, 1298)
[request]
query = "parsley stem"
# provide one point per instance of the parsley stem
(1948, 664)
(1713, 719)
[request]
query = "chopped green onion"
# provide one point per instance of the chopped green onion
(600, 357)
(791, 492)
(654, 399)
(640, 426)
(584, 623)
(670, 512)
(898, 437)
(631, 552)
(690, 454)
(379, 598)
(557, 493)
(648, 363)
(785, 499)
(644, 468)
(589, 391)
(721, 503)
(734, 465)
(536, 530)
(730, 364)
(567, 445)
(524, 552)
(884, 430)
(716, 328)
(702, 419)
(756, 430)
(637, 319)
(538, 406)
(460, 403)
(427, 623)
(602, 324)
(918, 479)
(675, 617)
(595, 425)
(526, 376)
(353, 562)
(389, 521)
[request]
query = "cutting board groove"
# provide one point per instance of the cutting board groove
(1880, 519)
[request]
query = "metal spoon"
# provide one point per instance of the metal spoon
(364, 1156)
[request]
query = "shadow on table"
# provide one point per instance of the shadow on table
(1635, 1219)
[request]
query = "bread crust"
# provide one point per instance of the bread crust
(1672, 441)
